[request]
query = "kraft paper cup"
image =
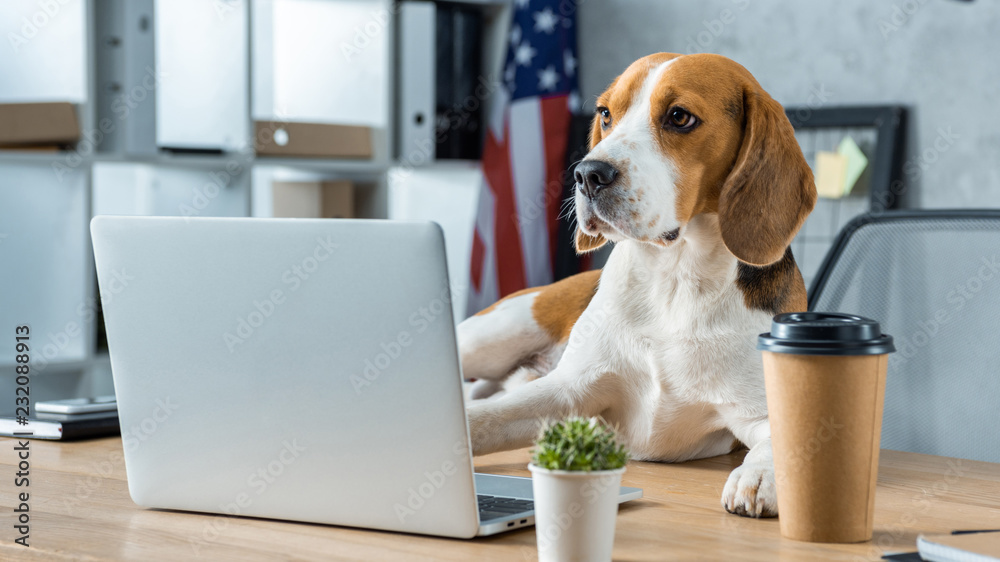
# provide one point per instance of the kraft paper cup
(824, 375)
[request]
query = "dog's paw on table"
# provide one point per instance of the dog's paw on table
(750, 491)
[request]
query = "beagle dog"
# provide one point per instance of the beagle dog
(695, 175)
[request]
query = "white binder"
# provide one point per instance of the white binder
(127, 79)
(322, 62)
(202, 51)
(416, 144)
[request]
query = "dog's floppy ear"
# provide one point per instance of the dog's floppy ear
(770, 190)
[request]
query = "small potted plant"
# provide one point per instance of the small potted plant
(576, 469)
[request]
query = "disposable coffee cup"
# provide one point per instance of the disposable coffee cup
(824, 374)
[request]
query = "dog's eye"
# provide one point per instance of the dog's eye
(605, 116)
(680, 119)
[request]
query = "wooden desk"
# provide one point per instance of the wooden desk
(80, 509)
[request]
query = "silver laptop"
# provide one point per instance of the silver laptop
(295, 369)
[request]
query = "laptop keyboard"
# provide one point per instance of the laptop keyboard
(495, 507)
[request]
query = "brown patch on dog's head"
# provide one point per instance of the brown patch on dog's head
(708, 87)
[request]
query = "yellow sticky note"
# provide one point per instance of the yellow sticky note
(856, 162)
(831, 170)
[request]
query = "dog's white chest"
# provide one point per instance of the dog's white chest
(708, 355)
(688, 341)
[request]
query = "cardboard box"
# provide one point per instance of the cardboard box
(26, 124)
(313, 200)
(315, 140)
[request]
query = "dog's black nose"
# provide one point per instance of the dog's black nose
(593, 176)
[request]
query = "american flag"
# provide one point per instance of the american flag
(514, 244)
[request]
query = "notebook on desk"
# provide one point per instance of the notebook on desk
(960, 547)
(64, 427)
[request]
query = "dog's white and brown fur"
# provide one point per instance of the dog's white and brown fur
(695, 174)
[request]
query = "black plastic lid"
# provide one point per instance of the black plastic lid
(825, 333)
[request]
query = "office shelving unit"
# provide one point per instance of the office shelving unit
(117, 39)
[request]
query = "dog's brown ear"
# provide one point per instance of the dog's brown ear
(586, 243)
(770, 191)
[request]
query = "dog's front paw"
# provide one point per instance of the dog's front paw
(751, 491)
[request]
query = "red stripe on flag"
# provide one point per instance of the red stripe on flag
(478, 260)
(555, 131)
(507, 231)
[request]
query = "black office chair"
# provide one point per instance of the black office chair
(932, 278)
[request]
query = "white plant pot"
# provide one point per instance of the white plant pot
(575, 513)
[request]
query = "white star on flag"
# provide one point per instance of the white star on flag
(524, 54)
(574, 101)
(523, 3)
(548, 79)
(510, 73)
(569, 62)
(546, 21)
(515, 35)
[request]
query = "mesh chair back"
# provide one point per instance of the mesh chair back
(932, 279)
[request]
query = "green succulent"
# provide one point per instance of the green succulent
(579, 444)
